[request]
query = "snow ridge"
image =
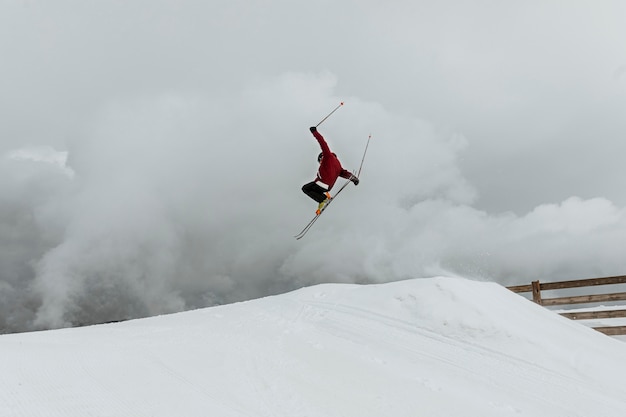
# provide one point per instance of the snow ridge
(435, 347)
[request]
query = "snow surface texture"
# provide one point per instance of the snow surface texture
(423, 347)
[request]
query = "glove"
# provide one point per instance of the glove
(354, 179)
(313, 129)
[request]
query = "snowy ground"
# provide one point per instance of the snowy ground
(424, 347)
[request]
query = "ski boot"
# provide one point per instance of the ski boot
(321, 206)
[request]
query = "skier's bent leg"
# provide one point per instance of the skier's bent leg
(314, 191)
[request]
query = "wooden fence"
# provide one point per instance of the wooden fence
(536, 289)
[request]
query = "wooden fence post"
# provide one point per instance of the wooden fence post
(537, 292)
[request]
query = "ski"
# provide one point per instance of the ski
(317, 216)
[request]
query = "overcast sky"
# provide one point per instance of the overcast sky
(152, 152)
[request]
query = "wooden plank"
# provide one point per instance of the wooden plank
(521, 288)
(589, 315)
(621, 279)
(612, 330)
(582, 299)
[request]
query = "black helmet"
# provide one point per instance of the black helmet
(319, 157)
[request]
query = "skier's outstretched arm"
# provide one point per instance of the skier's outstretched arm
(320, 140)
(350, 176)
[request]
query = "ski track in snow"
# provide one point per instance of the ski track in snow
(435, 347)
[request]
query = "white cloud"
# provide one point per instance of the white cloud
(44, 154)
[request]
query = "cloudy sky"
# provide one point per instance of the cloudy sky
(152, 152)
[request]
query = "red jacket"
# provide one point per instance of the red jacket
(330, 167)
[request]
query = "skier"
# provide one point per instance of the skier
(330, 169)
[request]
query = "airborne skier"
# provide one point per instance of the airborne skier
(330, 169)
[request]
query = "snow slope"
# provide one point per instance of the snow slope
(423, 347)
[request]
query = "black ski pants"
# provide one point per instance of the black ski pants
(315, 191)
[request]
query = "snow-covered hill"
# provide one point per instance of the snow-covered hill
(423, 347)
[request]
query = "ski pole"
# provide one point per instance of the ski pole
(334, 110)
(363, 159)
